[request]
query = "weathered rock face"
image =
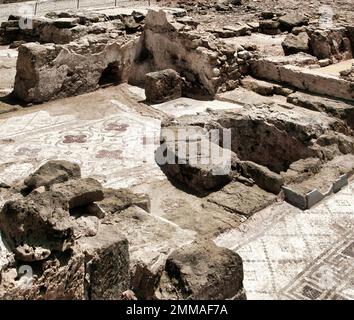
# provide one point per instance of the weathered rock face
(106, 264)
(337, 108)
(350, 33)
(288, 70)
(242, 198)
(202, 271)
(151, 241)
(53, 172)
(79, 193)
(187, 155)
(80, 241)
(37, 225)
(193, 55)
(59, 278)
(117, 200)
(296, 43)
(293, 19)
(332, 43)
(206, 64)
(162, 86)
(348, 74)
(64, 27)
(46, 72)
(68, 254)
(259, 169)
(269, 27)
(263, 177)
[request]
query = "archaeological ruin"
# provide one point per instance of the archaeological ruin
(177, 150)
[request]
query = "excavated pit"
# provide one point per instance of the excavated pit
(263, 143)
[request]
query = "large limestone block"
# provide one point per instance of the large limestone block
(202, 271)
(151, 240)
(162, 86)
(106, 264)
(36, 225)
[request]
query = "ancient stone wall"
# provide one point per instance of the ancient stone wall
(86, 56)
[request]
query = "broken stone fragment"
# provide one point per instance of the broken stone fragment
(189, 21)
(268, 14)
(66, 22)
(293, 19)
(202, 271)
(302, 170)
(92, 209)
(4, 185)
(223, 33)
(332, 44)
(138, 16)
(294, 44)
(86, 226)
(261, 87)
(60, 278)
(187, 155)
(53, 172)
(151, 240)
(36, 225)
(338, 108)
(130, 24)
(263, 177)
(117, 200)
(241, 199)
(269, 27)
(106, 264)
(239, 30)
(79, 193)
(27, 253)
(162, 86)
(221, 6)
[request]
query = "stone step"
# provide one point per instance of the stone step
(330, 179)
(341, 109)
(243, 200)
(291, 71)
(264, 88)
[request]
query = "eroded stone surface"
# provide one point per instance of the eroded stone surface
(202, 271)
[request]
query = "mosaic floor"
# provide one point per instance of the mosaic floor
(294, 254)
(116, 147)
(287, 253)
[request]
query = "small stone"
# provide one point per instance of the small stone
(324, 62)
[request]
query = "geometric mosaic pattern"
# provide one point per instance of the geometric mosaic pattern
(330, 276)
(294, 254)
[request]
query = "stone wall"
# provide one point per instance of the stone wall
(46, 72)
(86, 55)
(205, 62)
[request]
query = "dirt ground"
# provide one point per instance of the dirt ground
(251, 9)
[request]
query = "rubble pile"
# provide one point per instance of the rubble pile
(67, 237)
